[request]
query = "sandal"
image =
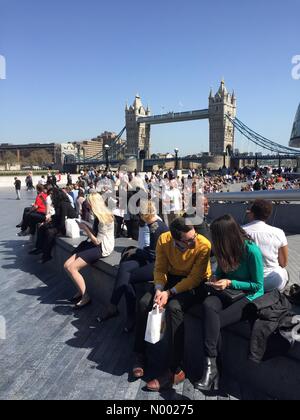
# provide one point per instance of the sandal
(85, 300)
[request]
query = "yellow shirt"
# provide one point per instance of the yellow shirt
(193, 264)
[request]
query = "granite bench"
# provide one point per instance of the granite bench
(276, 378)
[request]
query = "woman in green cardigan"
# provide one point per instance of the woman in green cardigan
(240, 267)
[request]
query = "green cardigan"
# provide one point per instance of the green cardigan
(249, 276)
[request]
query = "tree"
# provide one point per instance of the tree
(9, 158)
(38, 157)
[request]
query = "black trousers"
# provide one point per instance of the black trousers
(31, 219)
(45, 241)
(130, 273)
(175, 310)
(217, 315)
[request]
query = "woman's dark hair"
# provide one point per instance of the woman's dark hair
(179, 226)
(58, 197)
(39, 188)
(228, 240)
(262, 209)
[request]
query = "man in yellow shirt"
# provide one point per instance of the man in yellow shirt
(182, 266)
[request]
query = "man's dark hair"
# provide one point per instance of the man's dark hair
(179, 226)
(262, 209)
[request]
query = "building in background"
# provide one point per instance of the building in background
(37, 154)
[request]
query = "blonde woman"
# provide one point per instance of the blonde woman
(100, 244)
(138, 268)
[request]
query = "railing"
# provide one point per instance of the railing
(278, 195)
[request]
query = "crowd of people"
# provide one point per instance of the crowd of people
(180, 260)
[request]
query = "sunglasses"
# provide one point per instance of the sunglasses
(189, 241)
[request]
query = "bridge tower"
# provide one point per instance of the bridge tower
(138, 135)
(221, 136)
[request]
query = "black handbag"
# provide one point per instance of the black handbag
(228, 296)
(134, 254)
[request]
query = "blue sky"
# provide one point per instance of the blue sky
(73, 64)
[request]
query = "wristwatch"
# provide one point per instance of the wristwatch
(170, 292)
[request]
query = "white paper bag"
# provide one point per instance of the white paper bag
(72, 229)
(155, 325)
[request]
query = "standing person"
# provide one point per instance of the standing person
(240, 267)
(58, 177)
(17, 185)
(272, 242)
(69, 179)
(29, 182)
(101, 245)
(182, 265)
(172, 203)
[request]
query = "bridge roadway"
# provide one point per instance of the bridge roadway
(52, 352)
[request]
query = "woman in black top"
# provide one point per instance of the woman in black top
(54, 226)
(136, 269)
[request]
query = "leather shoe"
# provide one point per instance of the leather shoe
(166, 381)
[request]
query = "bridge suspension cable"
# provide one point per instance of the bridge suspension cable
(261, 141)
(115, 148)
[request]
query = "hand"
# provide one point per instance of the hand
(221, 284)
(157, 294)
(161, 299)
(213, 279)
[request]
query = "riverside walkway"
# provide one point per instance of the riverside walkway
(54, 352)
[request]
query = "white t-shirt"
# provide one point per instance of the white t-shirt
(269, 239)
(173, 199)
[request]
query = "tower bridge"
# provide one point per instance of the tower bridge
(223, 124)
(221, 130)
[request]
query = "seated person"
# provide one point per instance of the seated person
(272, 242)
(138, 268)
(191, 214)
(34, 214)
(54, 224)
(182, 265)
(240, 267)
(100, 244)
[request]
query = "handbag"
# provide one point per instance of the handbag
(72, 229)
(133, 253)
(228, 296)
(156, 325)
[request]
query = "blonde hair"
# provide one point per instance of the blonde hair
(99, 208)
(147, 210)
